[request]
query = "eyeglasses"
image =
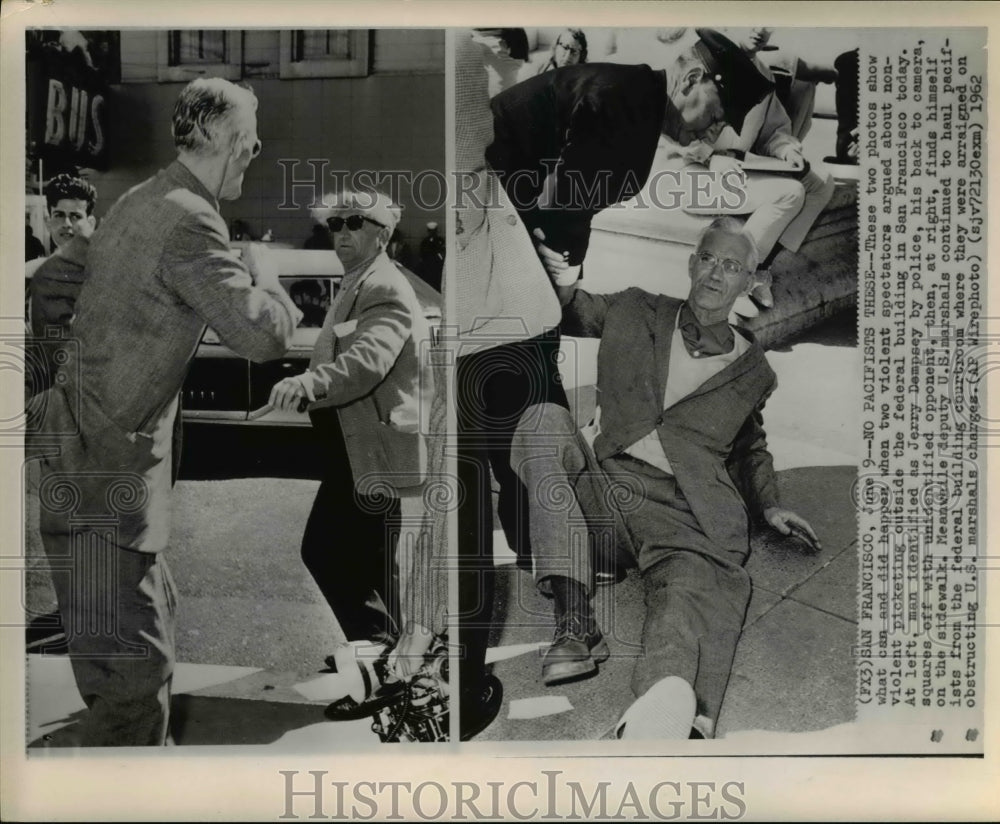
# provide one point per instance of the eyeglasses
(353, 222)
(729, 266)
(255, 147)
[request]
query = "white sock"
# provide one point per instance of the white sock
(664, 712)
(355, 660)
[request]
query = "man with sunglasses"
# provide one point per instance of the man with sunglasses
(368, 390)
(157, 271)
(677, 437)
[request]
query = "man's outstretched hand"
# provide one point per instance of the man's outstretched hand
(789, 523)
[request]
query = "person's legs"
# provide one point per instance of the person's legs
(846, 99)
(695, 608)
(546, 457)
(512, 378)
(818, 191)
(354, 574)
(773, 201)
(696, 596)
(475, 573)
(118, 609)
(493, 389)
(546, 454)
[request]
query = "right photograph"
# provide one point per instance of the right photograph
(657, 382)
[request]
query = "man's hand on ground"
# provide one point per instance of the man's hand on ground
(789, 523)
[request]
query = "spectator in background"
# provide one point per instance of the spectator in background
(569, 49)
(794, 77)
(56, 281)
(52, 287)
(71, 202)
(319, 238)
(508, 52)
(846, 65)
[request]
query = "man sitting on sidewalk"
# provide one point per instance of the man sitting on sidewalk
(678, 461)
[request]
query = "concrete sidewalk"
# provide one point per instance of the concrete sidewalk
(212, 704)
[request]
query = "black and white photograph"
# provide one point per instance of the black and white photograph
(590, 400)
(232, 294)
(640, 526)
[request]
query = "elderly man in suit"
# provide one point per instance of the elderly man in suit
(158, 269)
(678, 431)
(368, 389)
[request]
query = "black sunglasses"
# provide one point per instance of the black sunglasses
(354, 222)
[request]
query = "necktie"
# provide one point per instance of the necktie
(703, 341)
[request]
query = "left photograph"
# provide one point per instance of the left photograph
(234, 407)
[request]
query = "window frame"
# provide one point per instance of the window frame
(358, 66)
(230, 69)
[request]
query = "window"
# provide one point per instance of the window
(183, 54)
(324, 53)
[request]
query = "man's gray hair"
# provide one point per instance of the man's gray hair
(204, 113)
(729, 225)
(685, 60)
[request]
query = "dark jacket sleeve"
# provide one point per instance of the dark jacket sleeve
(584, 315)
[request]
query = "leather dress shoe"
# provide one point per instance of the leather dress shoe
(575, 652)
